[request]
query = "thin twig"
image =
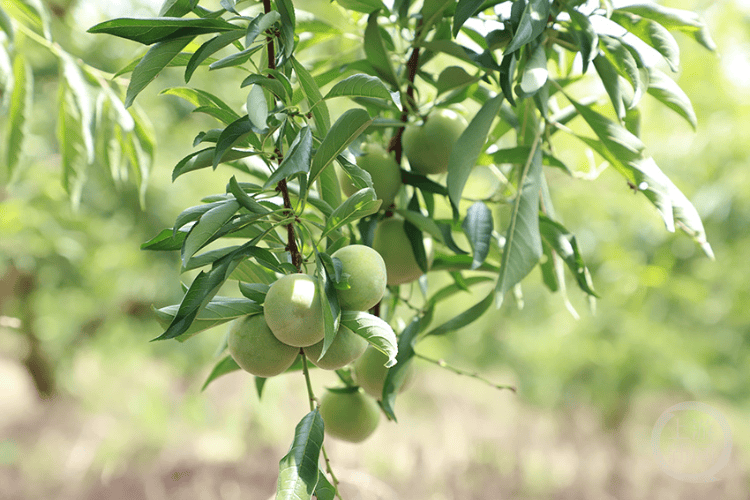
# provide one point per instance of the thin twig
(442, 364)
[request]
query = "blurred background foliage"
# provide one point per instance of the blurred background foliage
(76, 295)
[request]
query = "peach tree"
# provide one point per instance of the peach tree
(433, 97)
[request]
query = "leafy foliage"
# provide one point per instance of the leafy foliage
(519, 87)
(94, 130)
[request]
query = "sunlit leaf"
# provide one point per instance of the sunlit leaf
(20, 105)
(376, 331)
(226, 365)
(532, 24)
(314, 97)
(347, 128)
(298, 470)
(523, 245)
(155, 60)
(468, 146)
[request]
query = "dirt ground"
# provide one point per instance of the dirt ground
(475, 443)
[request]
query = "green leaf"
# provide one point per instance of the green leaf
(360, 178)
(229, 5)
(465, 318)
(347, 128)
(587, 38)
(247, 202)
(233, 133)
(199, 98)
(216, 312)
(257, 107)
(20, 105)
(329, 302)
(565, 245)
(324, 490)
(237, 59)
(208, 225)
(288, 22)
(507, 74)
(273, 85)
(668, 92)
(148, 31)
(396, 375)
(614, 137)
(464, 10)
(361, 204)
(177, 8)
(6, 25)
(611, 81)
(535, 72)
(422, 222)
(478, 227)
(363, 6)
(685, 21)
(468, 146)
(226, 365)
(75, 82)
(209, 48)
(155, 60)
(260, 24)
(373, 329)
(201, 291)
(297, 159)
(167, 239)
(523, 245)
(453, 77)
(205, 158)
(314, 97)
(532, 24)
(622, 60)
(359, 85)
(653, 34)
(376, 52)
(298, 470)
(30, 13)
(254, 291)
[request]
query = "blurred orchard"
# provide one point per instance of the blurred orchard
(90, 409)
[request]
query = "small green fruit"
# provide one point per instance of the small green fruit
(350, 416)
(385, 173)
(254, 347)
(392, 243)
(346, 347)
(428, 147)
(293, 310)
(370, 372)
(367, 277)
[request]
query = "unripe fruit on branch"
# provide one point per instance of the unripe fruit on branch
(254, 347)
(385, 173)
(293, 310)
(370, 372)
(345, 348)
(367, 277)
(392, 243)
(350, 416)
(428, 147)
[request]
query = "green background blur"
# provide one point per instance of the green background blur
(119, 417)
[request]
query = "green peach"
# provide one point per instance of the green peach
(349, 416)
(367, 277)
(346, 347)
(370, 372)
(385, 173)
(293, 310)
(254, 347)
(428, 147)
(392, 243)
